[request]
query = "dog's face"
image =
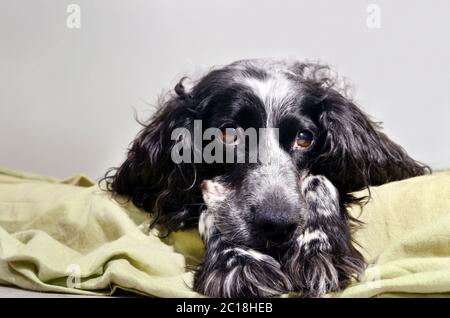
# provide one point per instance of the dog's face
(261, 202)
(311, 127)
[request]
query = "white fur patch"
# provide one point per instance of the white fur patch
(249, 253)
(316, 235)
(270, 90)
(206, 225)
(213, 192)
(274, 91)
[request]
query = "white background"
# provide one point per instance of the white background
(67, 96)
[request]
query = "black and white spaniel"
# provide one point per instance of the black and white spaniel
(277, 223)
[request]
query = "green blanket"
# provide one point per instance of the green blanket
(69, 236)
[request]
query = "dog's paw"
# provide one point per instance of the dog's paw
(315, 268)
(325, 273)
(320, 276)
(241, 273)
(312, 273)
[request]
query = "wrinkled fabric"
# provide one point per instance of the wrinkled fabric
(69, 236)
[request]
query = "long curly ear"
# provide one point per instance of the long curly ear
(149, 176)
(354, 152)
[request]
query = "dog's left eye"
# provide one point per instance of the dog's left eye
(303, 140)
(230, 136)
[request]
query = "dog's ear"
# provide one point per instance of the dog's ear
(149, 176)
(353, 153)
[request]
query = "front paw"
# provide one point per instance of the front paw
(315, 268)
(311, 272)
(241, 273)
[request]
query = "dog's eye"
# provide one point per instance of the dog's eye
(304, 139)
(230, 136)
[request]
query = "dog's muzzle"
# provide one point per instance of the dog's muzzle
(276, 219)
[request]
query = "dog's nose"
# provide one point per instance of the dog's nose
(276, 226)
(276, 230)
(276, 217)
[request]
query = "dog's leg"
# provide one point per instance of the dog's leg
(323, 258)
(235, 271)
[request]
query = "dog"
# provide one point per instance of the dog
(270, 226)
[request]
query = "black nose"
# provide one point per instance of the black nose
(276, 218)
(275, 227)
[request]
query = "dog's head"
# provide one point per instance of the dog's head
(303, 123)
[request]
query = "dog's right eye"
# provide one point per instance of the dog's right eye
(230, 136)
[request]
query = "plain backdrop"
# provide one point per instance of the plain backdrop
(68, 96)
